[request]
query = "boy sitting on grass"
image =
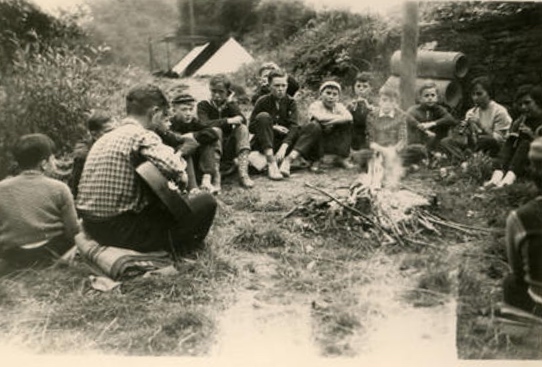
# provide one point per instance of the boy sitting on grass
(523, 287)
(196, 140)
(38, 221)
(335, 124)
(512, 161)
(222, 113)
(360, 108)
(274, 123)
(428, 122)
(98, 123)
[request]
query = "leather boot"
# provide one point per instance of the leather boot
(242, 167)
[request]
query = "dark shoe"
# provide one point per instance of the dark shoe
(517, 299)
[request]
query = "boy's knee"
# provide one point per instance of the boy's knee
(204, 202)
(218, 132)
(313, 127)
(263, 118)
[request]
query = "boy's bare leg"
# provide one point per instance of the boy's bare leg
(273, 171)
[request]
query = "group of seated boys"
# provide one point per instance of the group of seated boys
(190, 141)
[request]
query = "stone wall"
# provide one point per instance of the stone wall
(506, 48)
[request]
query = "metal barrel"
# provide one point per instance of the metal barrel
(450, 91)
(435, 64)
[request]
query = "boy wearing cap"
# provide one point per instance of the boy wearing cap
(335, 123)
(224, 114)
(195, 139)
(38, 221)
(523, 287)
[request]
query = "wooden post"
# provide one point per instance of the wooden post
(409, 45)
(167, 54)
(151, 66)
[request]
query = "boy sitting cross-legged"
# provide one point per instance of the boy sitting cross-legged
(274, 122)
(38, 221)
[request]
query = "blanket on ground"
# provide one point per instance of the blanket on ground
(119, 263)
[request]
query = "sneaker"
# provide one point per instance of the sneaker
(508, 180)
(285, 168)
(344, 163)
(495, 180)
(273, 172)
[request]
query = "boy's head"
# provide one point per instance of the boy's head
(481, 91)
(265, 70)
(330, 91)
(99, 122)
(220, 87)
(363, 85)
(147, 101)
(388, 99)
(183, 106)
(278, 83)
(428, 94)
(32, 150)
(529, 100)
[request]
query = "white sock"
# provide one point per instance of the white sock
(508, 179)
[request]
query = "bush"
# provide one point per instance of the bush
(51, 92)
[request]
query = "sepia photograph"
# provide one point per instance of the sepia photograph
(270, 182)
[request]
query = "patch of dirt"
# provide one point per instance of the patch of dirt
(346, 307)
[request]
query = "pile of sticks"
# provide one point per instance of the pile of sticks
(365, 210)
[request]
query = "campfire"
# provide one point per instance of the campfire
(381, 206)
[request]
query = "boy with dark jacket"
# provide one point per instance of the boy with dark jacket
(221, 113)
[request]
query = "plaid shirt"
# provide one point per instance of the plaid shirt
(109, 185)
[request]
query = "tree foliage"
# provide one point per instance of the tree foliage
(21, 23)
(127, 25)
(468, 11)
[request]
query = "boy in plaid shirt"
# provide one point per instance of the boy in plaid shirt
(115, 206)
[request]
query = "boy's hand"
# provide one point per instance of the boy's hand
(281, 129)
(526, 131)
(281, 153)
(400, 145)
(427, 125)
(236, 120)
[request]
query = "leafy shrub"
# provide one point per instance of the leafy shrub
(52, 91)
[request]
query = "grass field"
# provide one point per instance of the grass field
(299, 285)
(275, 282)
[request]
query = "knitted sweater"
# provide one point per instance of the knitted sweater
(35, 208)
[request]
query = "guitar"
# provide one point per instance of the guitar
(168, 193)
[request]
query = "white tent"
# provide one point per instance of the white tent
(187, 60)
(200, 61)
